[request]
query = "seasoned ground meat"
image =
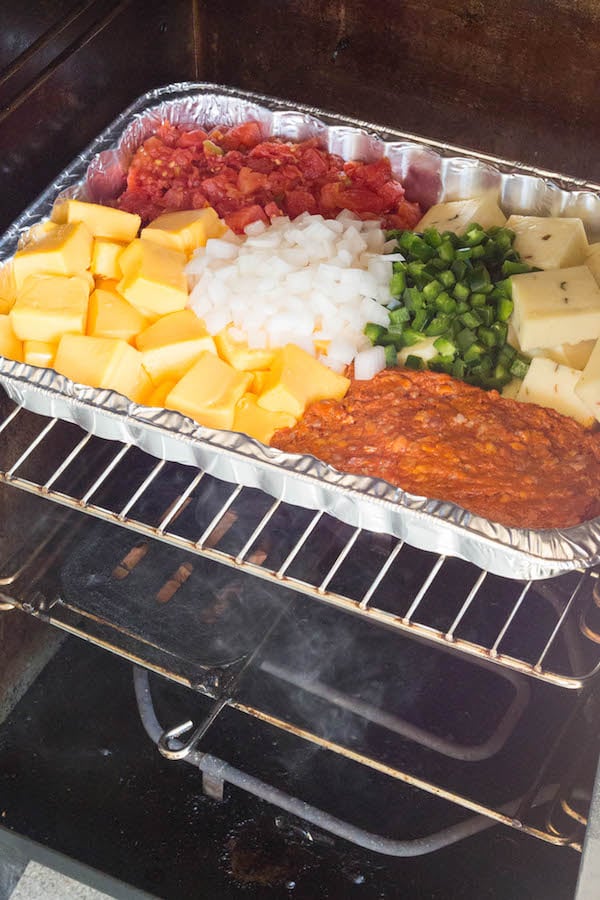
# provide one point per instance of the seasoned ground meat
(432, 435)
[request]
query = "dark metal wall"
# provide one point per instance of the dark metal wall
(518, 79)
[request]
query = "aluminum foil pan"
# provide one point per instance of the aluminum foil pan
(430, 172)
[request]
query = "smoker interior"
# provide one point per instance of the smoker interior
(323, 658)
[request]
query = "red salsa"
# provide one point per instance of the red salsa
(246, 178)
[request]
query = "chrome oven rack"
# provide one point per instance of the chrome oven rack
(357, 572)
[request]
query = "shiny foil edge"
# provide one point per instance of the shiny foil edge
(430, 172)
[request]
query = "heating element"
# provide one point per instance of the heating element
(205, 582)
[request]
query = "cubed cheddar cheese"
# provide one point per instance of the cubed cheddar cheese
(259, 380)
(185, 230)
(105, 254)
(102, 221)
(555, 306)
(209, 391)
(103, 363)
(235, 350)
(548, 242)
(47, 306)
(457, 215)
(39, 353)
(110, 315)
(259, 423)
(551, 385)
(171, 345)
(10, 345)
(158, 395)
(8, 290)
(153, 277)
(36, 232)
(66, 250)
(297, 379)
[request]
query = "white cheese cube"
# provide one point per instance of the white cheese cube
(588, 386)
(573, 355)
(558, 306)
(457, 215)
(592, 260)
(549, 384)
(511, 390)
(549, 243)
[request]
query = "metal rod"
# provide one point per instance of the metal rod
(507, 624)
(299, 544)
(381, 575)
(214, 521)
(67, 461)
(263, 522)
(142, 488)
(104, 475)
(558, 626)
(31, 447)
(340, 559)
(424, 588)
(12, 415)
(470, 597)
(174, 509)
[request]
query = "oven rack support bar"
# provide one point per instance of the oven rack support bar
(413, 621)
(219, 772)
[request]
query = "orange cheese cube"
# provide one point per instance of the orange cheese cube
(66, 250)
(185, 230)
(105, 254)
(259, 380)
(36, 233)
(102, 363)
(158, 395)
(172, 344)
(8, 289)
(297, 379)
(153, 277)
(209, 392)
(239, 355)
(47, 306)
(39, 353)
(110, 315)
(259, 423)
(102, 221)
(10, 345)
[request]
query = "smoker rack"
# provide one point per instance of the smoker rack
(77, 471)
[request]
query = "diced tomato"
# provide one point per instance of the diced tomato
(238, 219)
(249, 181)
(175, 169)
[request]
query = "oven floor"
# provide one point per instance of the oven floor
(79, 777)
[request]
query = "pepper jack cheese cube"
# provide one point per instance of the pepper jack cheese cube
(555, 307)
(102, 221)
(105, 254)
(239, 355)
(573, 355)
(457, 215)
(47, 306)
(297, 379)
(110, 315)
(10, 345)
(588, 386)
(259, 423)
(39, 353)
(551, 385)
(185, 230)
(549, 242)
(102, 363)
(171, 345)
(209, 391)
(153, 277)
(66, 250)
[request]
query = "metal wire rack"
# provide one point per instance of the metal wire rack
(549, 630)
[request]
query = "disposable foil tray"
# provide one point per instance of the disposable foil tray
(430, 172)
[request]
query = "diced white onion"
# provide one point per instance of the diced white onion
(306, 281)
(368, 363)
